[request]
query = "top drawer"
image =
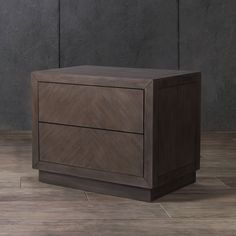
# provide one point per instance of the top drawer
(91, 106)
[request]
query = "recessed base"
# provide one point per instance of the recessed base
(116, 189)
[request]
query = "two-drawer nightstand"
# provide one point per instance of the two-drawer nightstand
(120, 131)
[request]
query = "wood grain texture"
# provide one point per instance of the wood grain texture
(138, 127)
(137, 227)
(106, 76)
(35, 112)
(92, 106)
(105, 176)
(113, 72)
(148, 134)
(178, 135)
(137, 193)
(205, 208)
(92, 149)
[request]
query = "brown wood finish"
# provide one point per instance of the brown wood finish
(198, 123)
(101, 187)
(35, 124)
(92, 106)
(29, 207)
(178, 100)
(116, 189)
(134, 127)
(178, 118)
(148, 135)
(130, 180)
(111, 73)
(108, 76)
(92, 148)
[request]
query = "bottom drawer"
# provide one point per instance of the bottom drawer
(102, 150)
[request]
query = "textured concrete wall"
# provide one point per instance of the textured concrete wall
(208, 44)
(28, 41)
(133, 33)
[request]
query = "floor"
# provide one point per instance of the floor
(28, 207)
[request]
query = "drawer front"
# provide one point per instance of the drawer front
(95, 149)
(92, 106)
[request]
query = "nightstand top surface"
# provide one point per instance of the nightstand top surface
(115, 72)
(110, 76)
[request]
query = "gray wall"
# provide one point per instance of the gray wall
(133, 33)
(28, 41)
(208, 44)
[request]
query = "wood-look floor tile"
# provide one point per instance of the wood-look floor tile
(62, 210)
(210, 208)
(33, 182)
(10, 183)
(43, 194)
(156, 227)
(204, 185)
(229, 181)
(106, 198)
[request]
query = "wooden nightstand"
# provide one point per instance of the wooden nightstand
(120, 131)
